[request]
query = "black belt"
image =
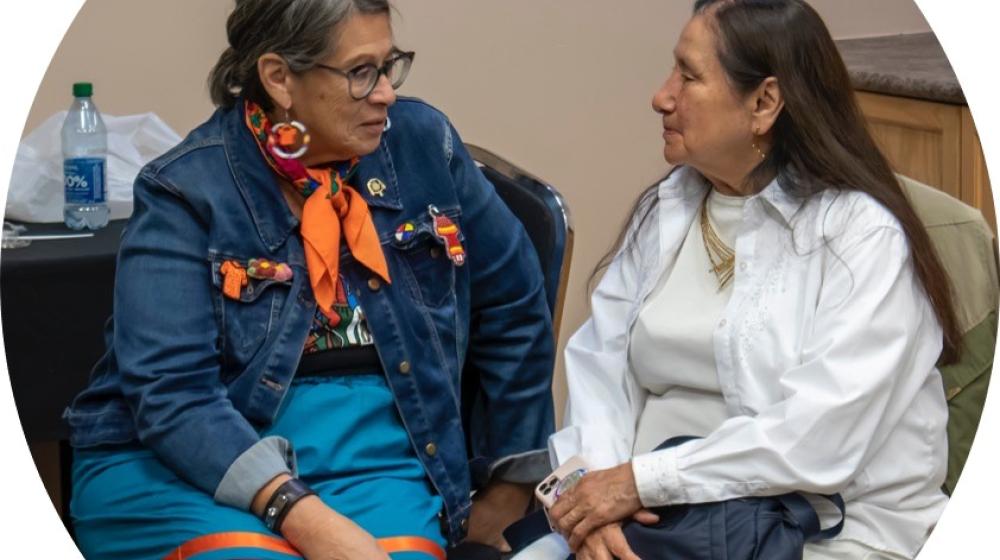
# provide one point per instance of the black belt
(352, 360)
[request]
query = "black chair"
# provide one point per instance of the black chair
(544, 215)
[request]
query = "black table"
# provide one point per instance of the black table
(55, 297)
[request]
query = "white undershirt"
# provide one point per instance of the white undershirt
(671, 353)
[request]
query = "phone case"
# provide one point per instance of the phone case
(561, 480)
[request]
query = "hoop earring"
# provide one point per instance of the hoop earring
(288, 139)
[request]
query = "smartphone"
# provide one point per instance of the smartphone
(560, 481)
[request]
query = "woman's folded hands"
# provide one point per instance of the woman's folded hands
(589, 515)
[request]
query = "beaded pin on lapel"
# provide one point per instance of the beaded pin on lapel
(234, 278)
(263, 269)
(405, 231)
(447, 231)
(376, 187)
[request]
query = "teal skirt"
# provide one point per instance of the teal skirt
(352, 449)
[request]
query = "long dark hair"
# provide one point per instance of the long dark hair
(820, 138)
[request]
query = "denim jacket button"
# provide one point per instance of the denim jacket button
(374, 284)
(404, 367)
(435, 252)
(431, 449)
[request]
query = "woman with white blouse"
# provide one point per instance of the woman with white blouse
(775, 295)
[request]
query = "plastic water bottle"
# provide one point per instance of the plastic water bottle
(85, 159)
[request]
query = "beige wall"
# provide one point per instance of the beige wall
(561, 88)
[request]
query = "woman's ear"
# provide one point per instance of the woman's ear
(276, 79)
(768, 103)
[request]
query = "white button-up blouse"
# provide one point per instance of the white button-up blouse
(826, 359)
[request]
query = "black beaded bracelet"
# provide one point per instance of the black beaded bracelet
(282, 500)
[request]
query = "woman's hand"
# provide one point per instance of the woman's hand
(494, 508)
(600, 498)
(321, 533)
(606, 543)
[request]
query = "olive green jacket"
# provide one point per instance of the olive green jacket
(967, 248)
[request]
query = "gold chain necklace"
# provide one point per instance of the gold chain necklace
(722, 257)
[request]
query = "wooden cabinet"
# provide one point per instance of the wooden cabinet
(934, 143)
(975, 180)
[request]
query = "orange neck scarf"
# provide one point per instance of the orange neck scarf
(333, 211)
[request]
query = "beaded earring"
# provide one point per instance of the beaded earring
(288, 139)
(762, 155)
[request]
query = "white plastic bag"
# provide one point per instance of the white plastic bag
(36, 183)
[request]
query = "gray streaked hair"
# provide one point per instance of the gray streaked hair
(300, 31)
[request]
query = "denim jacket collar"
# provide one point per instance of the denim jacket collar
(255, 180)
(262, 194)
(378, 166)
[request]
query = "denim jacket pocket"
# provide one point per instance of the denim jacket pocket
(429, 273)
(245, 321)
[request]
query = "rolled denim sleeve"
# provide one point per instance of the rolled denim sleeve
(166, 343)
(523, 468)
(511, 345)
(253, 469)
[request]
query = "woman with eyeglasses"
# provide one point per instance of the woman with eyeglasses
(298, 291)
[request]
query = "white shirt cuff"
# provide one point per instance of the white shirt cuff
(657, 478)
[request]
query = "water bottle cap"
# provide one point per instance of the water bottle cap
(83, 89)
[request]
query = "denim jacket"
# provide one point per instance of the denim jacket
(193, 375)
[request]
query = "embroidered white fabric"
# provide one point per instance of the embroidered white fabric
(826, 357)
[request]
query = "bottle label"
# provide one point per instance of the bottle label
(83, 179)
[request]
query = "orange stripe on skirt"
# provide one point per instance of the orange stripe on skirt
(244, 539)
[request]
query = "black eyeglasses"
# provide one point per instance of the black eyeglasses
(361, 80)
